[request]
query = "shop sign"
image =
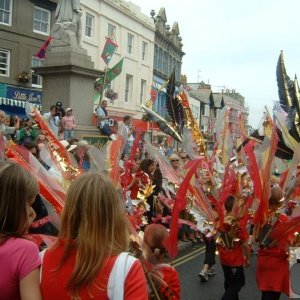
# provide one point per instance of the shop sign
(26, 95)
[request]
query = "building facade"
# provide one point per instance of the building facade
(168, 56)
(203, 93)
(211, 103)
(24, 27)
(237, 107)
(133, 31)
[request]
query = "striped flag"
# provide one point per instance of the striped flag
(153, 96)
(41, 54)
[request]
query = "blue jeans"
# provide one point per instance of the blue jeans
(68, 134)
(106, 130)
(127, 148)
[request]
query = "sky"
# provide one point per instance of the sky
(236, 44)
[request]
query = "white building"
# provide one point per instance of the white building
(195, 107)
(134, 33)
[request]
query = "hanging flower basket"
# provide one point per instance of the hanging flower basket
(24, 77)
(111, 95)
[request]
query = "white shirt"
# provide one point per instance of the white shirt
(130, 138)
(6, 129)
(53, 122)
(100, 113)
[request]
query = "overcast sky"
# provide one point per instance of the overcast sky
(236, 43)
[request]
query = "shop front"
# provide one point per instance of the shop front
(13, 99)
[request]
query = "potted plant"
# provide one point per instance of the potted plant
(111, 95)
(24, 77)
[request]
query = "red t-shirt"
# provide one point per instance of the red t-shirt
(54, 283)
(171, 288)
(126, 179)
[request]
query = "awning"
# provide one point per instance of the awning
(17, 107)
(18, 103)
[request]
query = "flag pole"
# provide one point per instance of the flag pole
(104, 86)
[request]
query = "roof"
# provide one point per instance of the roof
(162, 14)
(175, 28)
(203, 95)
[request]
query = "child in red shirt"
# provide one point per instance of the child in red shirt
(154, 236)
(92, 238)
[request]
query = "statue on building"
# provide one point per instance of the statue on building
(67, 29)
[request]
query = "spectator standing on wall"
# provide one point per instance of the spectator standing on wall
(127, 132)
(60, 110)
(53, 120)
(68, 124)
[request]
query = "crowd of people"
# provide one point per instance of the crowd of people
(111, 241)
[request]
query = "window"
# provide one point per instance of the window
(160, 104)
(207, 110)
(144, 50)
(174, 67)
(165, 63)
(160, 59)
(143, 89)
(5, 12)
(4, 62)
(195, 110)
(89, 24)
(178, 71)
(128, 85)
(111, 31)
(41, 20)
(204, 128)
(170, 65)
(36, 79)
(155, 57)
(130, 43)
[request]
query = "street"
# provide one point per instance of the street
(189, 264)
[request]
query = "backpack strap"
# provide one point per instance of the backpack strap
(118, 274)
(41, 255)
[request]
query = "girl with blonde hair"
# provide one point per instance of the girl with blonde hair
(90, 248)
(19, 257)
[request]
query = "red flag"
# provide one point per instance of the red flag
(108, 50)
(153, 94)
(253, 169)
(180, 203)
(41, 54)
(283, 231)
(267, 156)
